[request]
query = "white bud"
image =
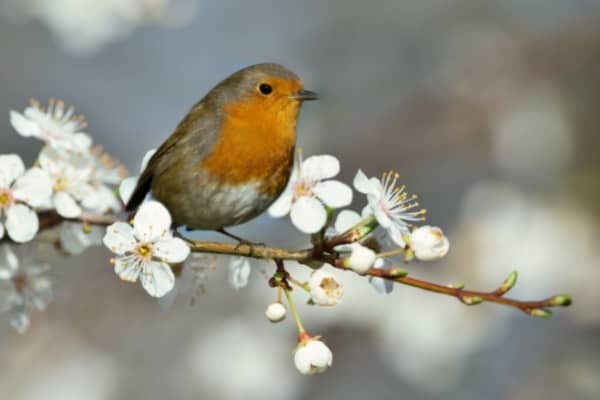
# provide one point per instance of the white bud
(275, 312)
(325, 290)
(361, 259)
(429, 243)
(312, 356)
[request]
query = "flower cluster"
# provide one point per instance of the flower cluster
(69, 177)
(73, 178)
(24, 287)
(75, 183)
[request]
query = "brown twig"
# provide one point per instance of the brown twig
(326, 254)
(474, 297)
(50, 219)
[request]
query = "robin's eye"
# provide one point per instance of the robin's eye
(265, 88)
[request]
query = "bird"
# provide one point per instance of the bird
(232, 154)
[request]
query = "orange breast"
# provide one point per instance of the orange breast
(256, 143)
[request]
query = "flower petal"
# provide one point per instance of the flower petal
(107, 201)
(1, 230)
(9, 262)
(397, 234)
(345, 220)
(80, 142)
(317, 168)
(157, 278)
(66, 206)
(119, 238)
(75, 239)
(151, 221)
(33, 188)
(50, 160)
(128, 268)
(127, 187)
(362, 183)
(281, 207)
(23, 125)
(84, 193)
(21, 223)
(308, 214)
(334, 194)
(19, 318)
(382, 218)
(11, 167)
(171, 250)
(149, 154)
(41, 288)
(381, 286)
(239, 272)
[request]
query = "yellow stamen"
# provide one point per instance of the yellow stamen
(61, 184)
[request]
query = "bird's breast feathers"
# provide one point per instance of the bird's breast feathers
(258, 149)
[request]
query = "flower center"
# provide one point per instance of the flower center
(61, 184)
(53, 136)
(144, 251)
(6, 198)
(302, 188)
(331, 288)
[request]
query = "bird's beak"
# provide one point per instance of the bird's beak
(305, 95)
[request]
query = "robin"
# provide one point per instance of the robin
(232, 155)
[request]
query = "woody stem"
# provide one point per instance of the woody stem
(326, 254)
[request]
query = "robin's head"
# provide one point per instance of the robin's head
(269, 87)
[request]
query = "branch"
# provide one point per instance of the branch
(536, 308)
(325, 253)
(50, 219)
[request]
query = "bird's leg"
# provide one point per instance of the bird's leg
(241, 241)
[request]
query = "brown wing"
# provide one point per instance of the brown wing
(197, 129)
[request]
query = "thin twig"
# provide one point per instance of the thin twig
(326, 253)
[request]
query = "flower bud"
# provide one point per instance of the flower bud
(324, 289)
(361, 259)
(561, 300)
(540, 313)
(275, 312)
(429, 243)
(312, 356)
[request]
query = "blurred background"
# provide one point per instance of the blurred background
(489, 110)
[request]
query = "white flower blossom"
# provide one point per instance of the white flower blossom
(239, 272)
(275, 312)
(312, 356)
(106, 199)
(309, 191)
(75, 237)
(429, 243)
(146, 249)
(82, 27)
(381, 286)
(345, 220)
(105, 168)
(55, 126)
(324, 289)
(20, 191)
(390, 204)
(72, 191)
(128, 185)
(191, 281)
(23, 287)
(361, 259)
